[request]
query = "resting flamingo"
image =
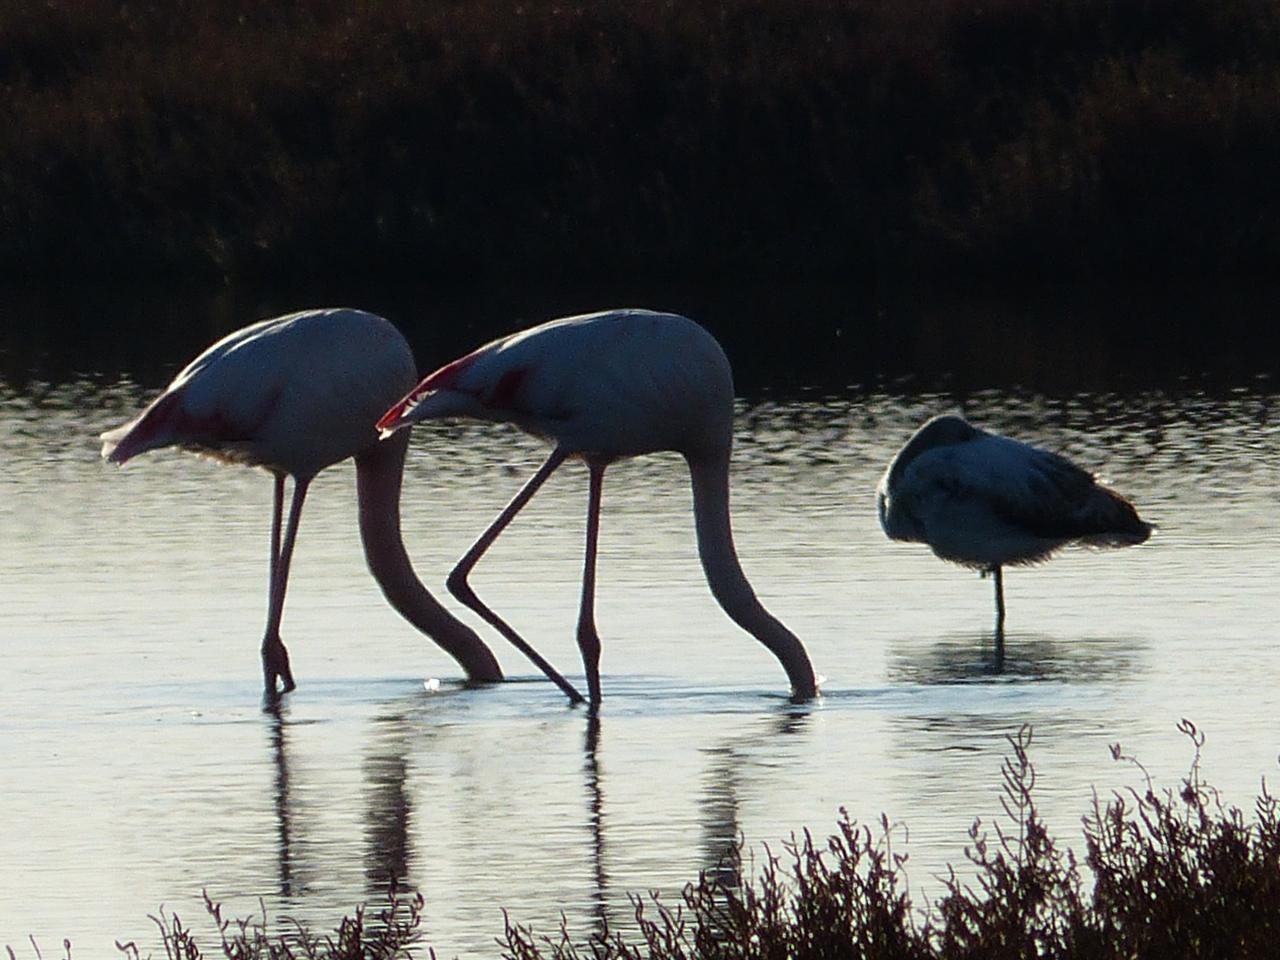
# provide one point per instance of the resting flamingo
(294, 395)
(603, 387)
(983, 501)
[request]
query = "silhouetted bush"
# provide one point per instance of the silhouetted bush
(500, 137)
(389, 935)
(1170, 876)
(1167, 875)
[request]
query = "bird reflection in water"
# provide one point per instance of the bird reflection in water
(388, 808)
(387, 812)
(960, 658)
(284, 816)
(728, 776)
(721, 828)
(389, 779)
(595, 819)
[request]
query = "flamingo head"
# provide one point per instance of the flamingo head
(401, 414)
(438, 395)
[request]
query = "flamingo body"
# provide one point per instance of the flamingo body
(986, 501)
(603, 387)
(296, 394)
(293, 394)
(607, 385)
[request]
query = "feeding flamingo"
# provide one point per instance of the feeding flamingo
(984, 501)
(603, 387)
(294, 395)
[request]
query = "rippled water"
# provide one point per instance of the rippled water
(140, 768)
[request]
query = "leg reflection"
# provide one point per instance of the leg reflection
(595, 817)
(284, 817)
(728, 774)
(721, 828)
(388, 808)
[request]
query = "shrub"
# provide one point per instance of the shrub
(1171, 875)
(511, 137)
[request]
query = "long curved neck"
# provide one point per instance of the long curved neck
(379, 473)
(729, 585)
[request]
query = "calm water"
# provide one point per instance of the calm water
(140, 768)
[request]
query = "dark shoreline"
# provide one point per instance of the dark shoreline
(1016, 141)
(783, 339)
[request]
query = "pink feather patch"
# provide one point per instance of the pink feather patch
(504, 392)
(442, 379)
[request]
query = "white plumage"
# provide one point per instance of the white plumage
(296, 394)
(603, 387)
(614, 384)
(293, 394)
(985, 501)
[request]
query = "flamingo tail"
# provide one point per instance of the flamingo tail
(1114, 521)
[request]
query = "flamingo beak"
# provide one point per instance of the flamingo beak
(401, 414)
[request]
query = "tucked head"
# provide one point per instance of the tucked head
(943, 431)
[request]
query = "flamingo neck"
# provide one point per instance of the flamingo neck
(729, 585)
(379, 474)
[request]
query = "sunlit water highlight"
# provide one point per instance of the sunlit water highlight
(140, 768)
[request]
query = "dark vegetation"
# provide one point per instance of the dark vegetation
(387, 935)
(1170, 876)
(1166, 875)
(515, 138)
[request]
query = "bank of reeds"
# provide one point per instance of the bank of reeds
(1166, 875)
(500, 137)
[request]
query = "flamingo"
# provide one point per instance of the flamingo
(295, 394)
(983, 501)
(603, 387)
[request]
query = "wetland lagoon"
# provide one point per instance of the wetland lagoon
(141, 768)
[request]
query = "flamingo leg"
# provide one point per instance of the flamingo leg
(458, 586)
(275, 658)
(998, 573)
(269, 650)
(588, 638)
(277, 516)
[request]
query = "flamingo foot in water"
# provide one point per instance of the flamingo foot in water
(275, 666)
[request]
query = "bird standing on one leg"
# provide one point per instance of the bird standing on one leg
(296, 394)
(984, 501)
(604, 387)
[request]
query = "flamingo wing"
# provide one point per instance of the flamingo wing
(294, 393)
(610, 385)
(995, 500)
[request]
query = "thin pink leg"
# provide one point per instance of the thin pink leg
(459, 587)
(272, 648)
(277, 517)
(275, 658)
(588, 638)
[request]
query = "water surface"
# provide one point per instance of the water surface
(139, 765)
